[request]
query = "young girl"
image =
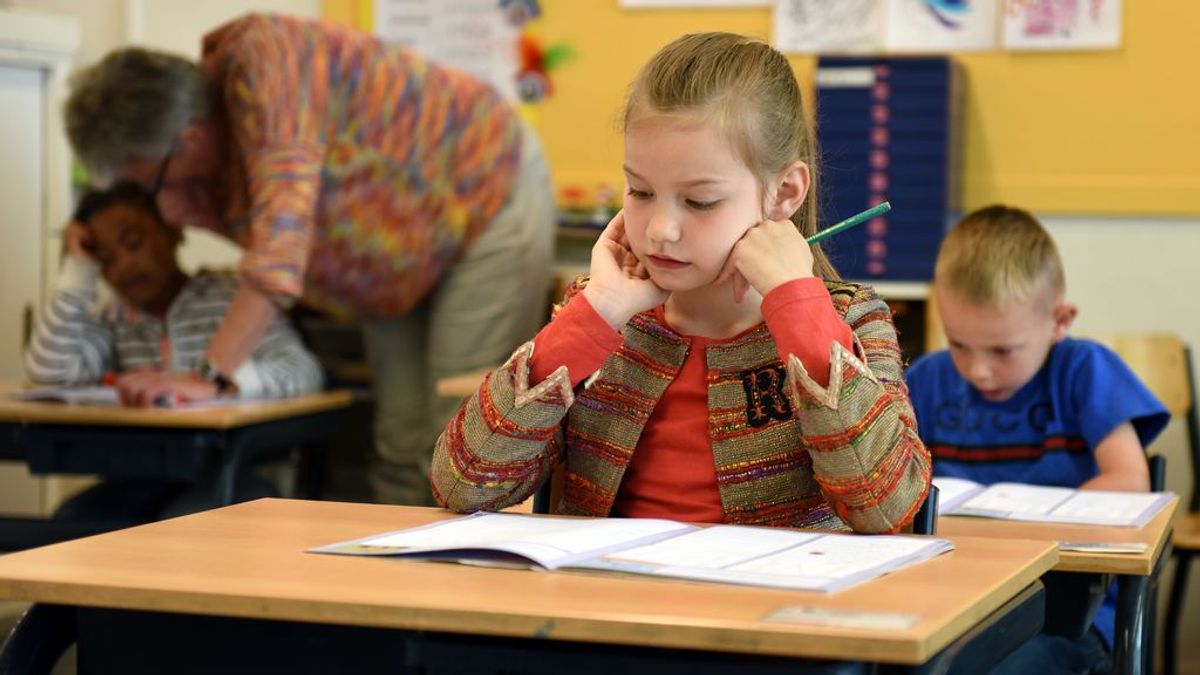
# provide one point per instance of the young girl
(712, 367)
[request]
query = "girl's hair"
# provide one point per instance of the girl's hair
(131, 104)
(999, 254)
(749, 90)
(127, 193)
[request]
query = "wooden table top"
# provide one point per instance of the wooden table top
(224, 415)
(1153, 533)
(461, 386)
(248, 560)
(1187, 532)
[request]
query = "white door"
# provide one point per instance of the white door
(21, 204)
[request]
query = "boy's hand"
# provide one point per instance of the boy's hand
(619, 286)
(142, 388)
(75, 242)
(769, 255)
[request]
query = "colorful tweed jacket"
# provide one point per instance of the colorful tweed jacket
(846, 455)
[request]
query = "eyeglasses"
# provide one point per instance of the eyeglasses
(162, 170)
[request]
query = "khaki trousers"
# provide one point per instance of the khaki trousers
(492, 300)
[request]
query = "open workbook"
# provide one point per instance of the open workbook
(90, 395)
(104, 395)
(1017, 501)
(731, 554)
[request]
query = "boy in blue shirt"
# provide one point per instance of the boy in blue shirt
(1014, 399)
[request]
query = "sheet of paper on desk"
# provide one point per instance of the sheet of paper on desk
(776, 558)
(952, 492)
(96, 395)
(754, 556)
(549, 542)
(1016, 501)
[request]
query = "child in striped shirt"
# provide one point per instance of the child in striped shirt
(162, 322)
(157, 329)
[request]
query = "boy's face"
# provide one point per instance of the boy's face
(136, 254)
(999, 349)
(689, 198)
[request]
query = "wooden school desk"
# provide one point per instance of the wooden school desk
(162, 443)
(235, 583)
(461, 386)
(1136, 573)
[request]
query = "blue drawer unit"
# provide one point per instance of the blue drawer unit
(888, 130)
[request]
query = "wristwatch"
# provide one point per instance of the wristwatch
(207, 371)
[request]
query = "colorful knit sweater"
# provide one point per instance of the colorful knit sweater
(359, 171)
(847, 455)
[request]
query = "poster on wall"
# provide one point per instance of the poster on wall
(941, 25)
(471, 35)
(843, 27)
(692, 4)
(1062, 24)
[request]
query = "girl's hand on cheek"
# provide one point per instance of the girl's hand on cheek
(769, 255)
(619, 285)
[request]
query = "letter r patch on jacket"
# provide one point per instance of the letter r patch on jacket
(765, 396)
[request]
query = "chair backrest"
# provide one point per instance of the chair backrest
(1164, 364)
(925, 521)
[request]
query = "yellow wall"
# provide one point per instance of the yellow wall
(1111, 132)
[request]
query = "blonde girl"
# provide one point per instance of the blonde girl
(712, 367)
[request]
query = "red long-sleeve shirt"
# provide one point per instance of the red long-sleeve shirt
(672, 474)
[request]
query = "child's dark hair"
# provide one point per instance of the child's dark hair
(94, 201)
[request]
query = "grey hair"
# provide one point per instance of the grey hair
(130, 105)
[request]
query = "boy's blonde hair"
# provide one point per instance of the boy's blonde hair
(748, 89)
(998, 254)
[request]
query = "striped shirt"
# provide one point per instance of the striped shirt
(358, 170)
(77, 343)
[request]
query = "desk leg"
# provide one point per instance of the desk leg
(241, 445)
(38, 640)
(1174, 612)
(1130, 635)
(231, 467)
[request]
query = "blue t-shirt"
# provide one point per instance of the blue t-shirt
(1045, 433)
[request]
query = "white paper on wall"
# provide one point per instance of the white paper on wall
(1062, 24)
(941, 25)
(842, 27)
(471, 35)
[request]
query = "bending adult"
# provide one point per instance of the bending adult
(356, 176)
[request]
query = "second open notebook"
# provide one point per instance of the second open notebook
(1041, 503)
(753, 556)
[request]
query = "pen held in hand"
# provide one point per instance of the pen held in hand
(169, 401)
(852, 221)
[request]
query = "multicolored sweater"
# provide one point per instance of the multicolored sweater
(359, 171)
(848, 455)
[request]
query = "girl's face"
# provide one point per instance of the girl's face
(688, 199)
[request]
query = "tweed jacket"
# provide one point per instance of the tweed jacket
(788, 452)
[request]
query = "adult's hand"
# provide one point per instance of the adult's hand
(142, 388)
